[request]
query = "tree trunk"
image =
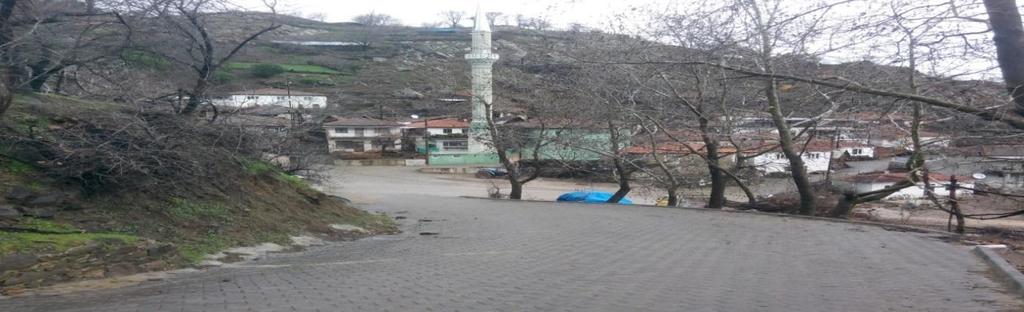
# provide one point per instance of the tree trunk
(717, 197)
(844, 206)
(6, 59)
(673, 197)
(517, 187)
(620, 168)
(796, 163)
(195, 98)
(624, 188)
(1004, 17)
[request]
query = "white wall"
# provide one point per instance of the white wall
(333, 132)
(368, 146)
(914, 192)
(306, 101)
(777, 162)
(865, 151)
(440, 131)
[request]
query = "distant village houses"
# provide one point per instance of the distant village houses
(272, 97)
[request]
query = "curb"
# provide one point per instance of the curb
(885, 226)
(1007, 272)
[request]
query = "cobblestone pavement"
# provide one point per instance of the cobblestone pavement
(503, 256)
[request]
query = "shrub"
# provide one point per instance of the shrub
(266, 70)
(223, 77)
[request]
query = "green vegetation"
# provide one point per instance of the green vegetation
(55, 243)
(294, 181)
(46, 225)
(256, 167)
(266, 70)
(14, 167)
(190, 210)
(144, 60)
(193, 253)
(223, 77)
(309, 81)
(292, 68)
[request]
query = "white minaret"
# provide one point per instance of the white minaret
(481, 60)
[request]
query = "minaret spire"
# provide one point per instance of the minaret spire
(480, 22)
(481, 61)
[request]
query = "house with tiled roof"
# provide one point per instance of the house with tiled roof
(362, 137)
(448, 135)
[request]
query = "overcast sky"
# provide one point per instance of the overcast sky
(418, 12)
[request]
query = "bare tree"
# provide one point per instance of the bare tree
(1004, 18)
(372, 26)
(374, 19)
(453, 18)
(6, 39)
(187, 24)
(494, 17)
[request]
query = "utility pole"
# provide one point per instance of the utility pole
(832, 155)
(955, 206)
(426, 138)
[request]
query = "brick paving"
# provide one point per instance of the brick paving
(503, 256)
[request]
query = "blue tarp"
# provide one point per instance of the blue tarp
(591, 197)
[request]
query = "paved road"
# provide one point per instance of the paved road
(503, 256)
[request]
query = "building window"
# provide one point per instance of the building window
(448, 131)
(280, 98)
(251, 97)
(340, 130)
(369, 131)
(780, 156)
(455, 145)
(856, 151)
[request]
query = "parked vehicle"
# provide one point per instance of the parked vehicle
(491, 173)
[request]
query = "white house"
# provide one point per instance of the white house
(873, 181)
(275, 97)
(447, 135)
(816, 155)
(772, 162)
(362, 136)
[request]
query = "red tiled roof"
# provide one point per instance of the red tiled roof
(676, 148)
(440, 123)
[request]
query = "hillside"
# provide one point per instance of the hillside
(94, 189)
(398, 71)
(404, 70)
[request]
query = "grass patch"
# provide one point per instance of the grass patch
(192, 253)
(190, 210)
(261, 167)
(256, 167)
(14, 167)
(54, 243)
(46, 225)
(291, 68)
(294, 181)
